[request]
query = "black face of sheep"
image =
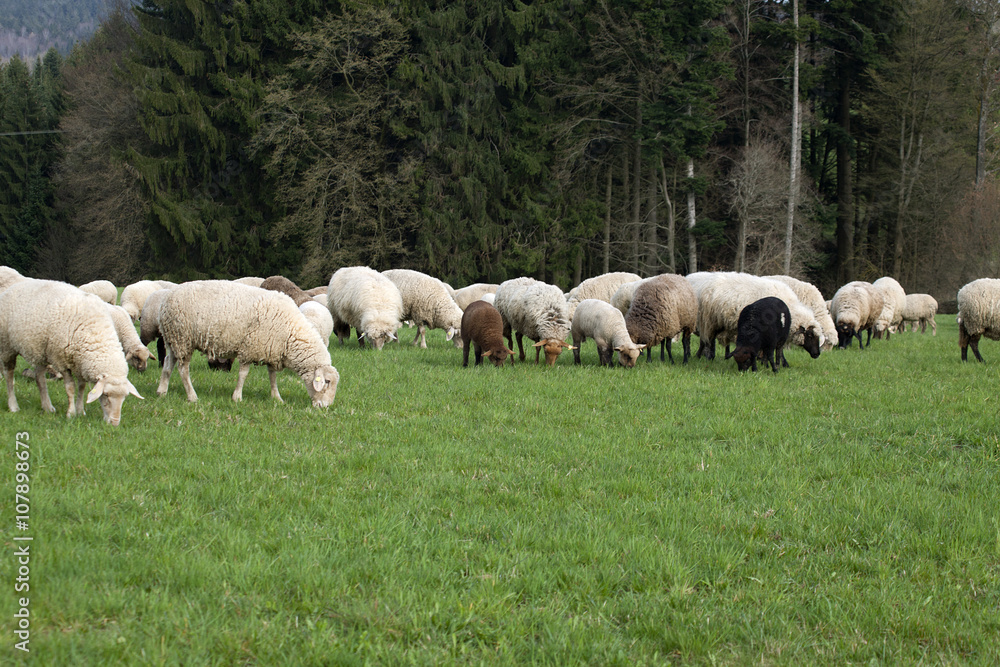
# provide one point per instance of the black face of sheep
(811, 344)
(845, 332)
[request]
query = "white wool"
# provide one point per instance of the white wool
(893, 303)
(363, 298)
(811, 297)
(463, 297)
(319, 316)
(605, 325)
(105, 289)
(534, 309)
(427, 303)
(600, 287)
(134, 296)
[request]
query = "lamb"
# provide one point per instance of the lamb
(855, 308)
(135, 295)
(427, 303)
(482, 327)
(920, 308)
(55, 325)
(537, 310)
(363, 298)
(978, 314)
(136, 353)
(286, 286)
(663, 307)
(466, 295)
(606, 325)
(622, 298)
(724, 298)
(319, 317)
(228, 320)
(893, 305)
(762, 329)
(105, 289)
(601, 287)
(810, 296)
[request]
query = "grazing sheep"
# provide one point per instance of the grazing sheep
(482, 327)
(893, 304)
(55, 325)
(319, 317)
(605, 324)
(663, 307)
(463, 297)
(105, 289)
(8, 277)
(601, 287)
(622, 298)
(363, 298)
(537, 310)
(149, 323)
(723, 299)
(427, 303)
(856, 308)
(489, 297)
(286, 286)
(812, 298)
(317, 291)
(920, 309)
(228, 320)
(252, 281)
(978, 314)
(134, 296)
(136, 353)
(762, 330)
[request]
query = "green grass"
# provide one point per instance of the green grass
(842, 511)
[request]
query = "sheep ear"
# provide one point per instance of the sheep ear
(641, 346)
(392, 336)
(153, 357)
(729, 355)
(511, 353)
(134, 392)
(565, 344)
(319, 382)
(539, 343)
(451, 333)
(97, 391)
(487, 353)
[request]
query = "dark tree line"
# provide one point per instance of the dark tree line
(490, 139)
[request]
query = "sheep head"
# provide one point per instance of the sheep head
(322, 386)
(629, 354)
(553, 348)
(112, 392)
(499, 356)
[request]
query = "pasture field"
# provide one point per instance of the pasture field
(842, 511)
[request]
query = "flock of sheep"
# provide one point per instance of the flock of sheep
(80, 335)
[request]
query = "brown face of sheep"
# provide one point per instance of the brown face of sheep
(112, 393)
(553, 348)
(628, 356)
(379, 339)
(322, 386)
(744, 357)
(499, 357)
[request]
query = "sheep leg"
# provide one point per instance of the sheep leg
(520, 346)
(8, 371)
(81, 397)
(933, 326)
(649, 354)
(241, 377)
(70, 386)
(165, 371)
(43, 392)
(478, 355)
(577, 342)
(465, 355)
(184, 368)
(421, 333)
(272, 375)
(668, 343)
(686, 345)
(974, 344)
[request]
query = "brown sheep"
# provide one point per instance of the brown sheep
(286, 286)
(483, 326)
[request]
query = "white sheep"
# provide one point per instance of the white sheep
(489, 297)
(893, 305)
(811, 297)
(105, 289)
(320, 318)
(978, 314)
(363, 298)
(8, 277)
(920, 309)
(463, 297)
(663, 307)
(855, 308)
(252, 281)
(622, 298)
(227, 320)
(55, 325)
(427, 303)
(600, 287)
(724, 297)
(605, 324)
(136, 353)
(134, 296)
(537, 310)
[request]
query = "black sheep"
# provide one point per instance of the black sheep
(762, 328)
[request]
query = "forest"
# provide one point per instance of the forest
(480, 141)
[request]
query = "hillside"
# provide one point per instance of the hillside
(30, 29)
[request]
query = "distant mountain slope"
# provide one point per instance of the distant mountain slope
(30, 27)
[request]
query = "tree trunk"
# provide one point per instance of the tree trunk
(652, 240)
(692, 244)
(671, 262)
(793, 171)
(607, 224)
(845, 194)
(637, 196)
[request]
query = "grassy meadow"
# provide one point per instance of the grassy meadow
(842, 511)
